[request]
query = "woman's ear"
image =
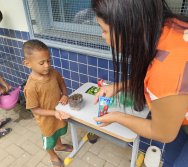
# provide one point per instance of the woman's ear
(27, 63)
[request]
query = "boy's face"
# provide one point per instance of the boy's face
(39, 62)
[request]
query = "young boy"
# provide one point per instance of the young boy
(44, 89)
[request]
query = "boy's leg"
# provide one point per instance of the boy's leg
(63, 147)
(56, 161)
(173, 149)
(48, 145)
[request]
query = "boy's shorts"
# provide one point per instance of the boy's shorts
(50, 142)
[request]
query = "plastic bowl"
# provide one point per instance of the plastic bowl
(9, 101)
(75, 101)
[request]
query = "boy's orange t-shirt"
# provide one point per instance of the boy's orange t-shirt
(45, 95)
(168, 73)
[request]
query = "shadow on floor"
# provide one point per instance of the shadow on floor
(22, 112)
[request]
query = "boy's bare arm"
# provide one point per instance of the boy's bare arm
(64, 98)
(63, 87)
(58, 114)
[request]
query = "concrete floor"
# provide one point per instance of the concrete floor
(23, 146)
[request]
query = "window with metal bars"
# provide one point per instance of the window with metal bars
(67, 24)
(179, 6)
(71, 24)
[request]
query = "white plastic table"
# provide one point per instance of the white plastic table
(84, 118)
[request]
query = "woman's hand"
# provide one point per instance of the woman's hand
(107, 91)
(108, 118)
(61, 115)
(64, 100)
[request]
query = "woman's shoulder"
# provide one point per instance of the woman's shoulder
(174, 36)
(167, 75)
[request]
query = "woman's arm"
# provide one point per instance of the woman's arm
(167, 117)
(168, 114)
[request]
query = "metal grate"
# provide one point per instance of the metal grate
(71, 22)
(179, 6)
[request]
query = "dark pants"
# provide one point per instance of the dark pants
(176, 152)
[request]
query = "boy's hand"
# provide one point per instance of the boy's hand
(64, 99)
(61, 115)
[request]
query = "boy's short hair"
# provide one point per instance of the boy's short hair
(33, 45)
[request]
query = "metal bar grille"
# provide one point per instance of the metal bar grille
(179, 6)
(72, 23)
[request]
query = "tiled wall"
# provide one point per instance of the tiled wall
(77, 69)
(11, 56)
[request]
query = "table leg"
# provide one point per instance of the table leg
(135, 151)
(76, 146)
(74, 139)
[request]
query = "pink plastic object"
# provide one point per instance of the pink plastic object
(100, 82)
(9, 101)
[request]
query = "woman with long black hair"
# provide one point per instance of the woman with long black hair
(155, 41)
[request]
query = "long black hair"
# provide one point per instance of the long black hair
(1, 16)
(135, 28)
